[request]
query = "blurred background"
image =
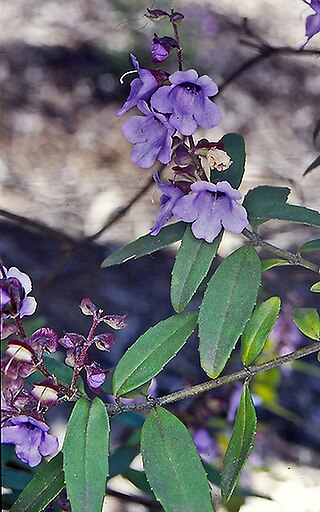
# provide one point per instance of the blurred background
(65, 173)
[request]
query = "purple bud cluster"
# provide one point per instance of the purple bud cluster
(23, 405)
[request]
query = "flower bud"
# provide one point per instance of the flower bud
(161, 48)
(182, 156)
(156, 14)
(44, 339)
(87, 307)
(45, 392)
(115, 321)
(6, 330)
(20, 351)
(104, 341)
(176, 17)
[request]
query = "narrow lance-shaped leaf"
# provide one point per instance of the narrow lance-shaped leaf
(234, 146)
(240, 444)
(311, 245)
(172, 464)
(43, 488)
(85, 455)
(265, 203)
(226, 307)
(308, 321)
(152, 351)
(146, 244)
(193, 261)
(273, 262)
(315, 287)
(258, 328)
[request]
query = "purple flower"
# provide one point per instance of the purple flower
(210, 207)
(187, 100)
(30, 437)
(95, 376)
(312, 21)
(142, 87)
(151, 136)
(14, 289)
(44, 339)
(170, 195)
(159, 52)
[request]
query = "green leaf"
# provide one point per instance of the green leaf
(265, 203)
(273, 262)
(85, 455)
(314, 164)
(147, 244)
(172, 464)
(152, 351)
(311, 245)
(240, 444)
(258, 328)
(315, 287)
(226, 307)
(43, 488)
(308, 321)
(234, 146)
(193, 261)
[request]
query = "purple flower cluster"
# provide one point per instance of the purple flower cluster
(23, 405)
(183, 106)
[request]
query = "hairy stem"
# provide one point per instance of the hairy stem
(179, 49)
(295, 259)
(246, 373)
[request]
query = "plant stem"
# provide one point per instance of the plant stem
(246, 373)
(295, 259)
(179, 50)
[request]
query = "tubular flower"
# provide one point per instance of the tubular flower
(151, 136)
(312, 21)
(30, 437)
(170, 195)
(187, 100)
(210, 207)
(142, 87)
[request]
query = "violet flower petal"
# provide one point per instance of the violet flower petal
(22, 277)
(28, 306)
(48, 445)
(141, 88)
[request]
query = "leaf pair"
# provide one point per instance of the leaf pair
(173, 466)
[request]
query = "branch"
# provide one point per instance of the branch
(265, 51)
(246, 373)
(294, 259)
